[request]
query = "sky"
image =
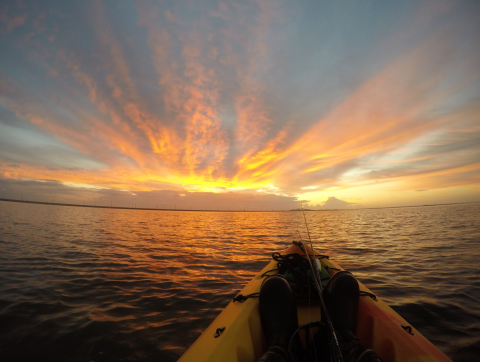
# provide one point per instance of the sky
(240, 104)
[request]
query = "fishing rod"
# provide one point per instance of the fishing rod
(336, 353)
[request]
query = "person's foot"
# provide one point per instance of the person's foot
(278, 311)
(341, 297)
(354, 351)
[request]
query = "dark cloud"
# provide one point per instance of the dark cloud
(334, 203)
(55, 191)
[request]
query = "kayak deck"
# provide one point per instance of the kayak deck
(378, 326)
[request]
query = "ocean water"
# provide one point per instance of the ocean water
(87, 284)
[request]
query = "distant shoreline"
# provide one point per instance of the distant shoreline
(125, 207)
(202, 210)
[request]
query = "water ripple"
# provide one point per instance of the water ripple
(80, 284)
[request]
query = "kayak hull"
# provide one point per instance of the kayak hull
(378, 326)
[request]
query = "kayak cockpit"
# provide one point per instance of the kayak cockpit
(237, 335)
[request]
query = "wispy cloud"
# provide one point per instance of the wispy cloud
(233, 96)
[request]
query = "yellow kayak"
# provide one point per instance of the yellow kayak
(236, 334)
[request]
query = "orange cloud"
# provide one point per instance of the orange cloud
(206, 118)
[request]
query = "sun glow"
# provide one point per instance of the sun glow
(228, 102)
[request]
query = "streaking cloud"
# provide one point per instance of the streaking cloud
(304, 101)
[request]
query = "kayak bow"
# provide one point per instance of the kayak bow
(236, 334)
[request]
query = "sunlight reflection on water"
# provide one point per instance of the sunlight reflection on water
(144, 284)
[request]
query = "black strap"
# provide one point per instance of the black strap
(242, 298)
(268, 271)
(367, 294)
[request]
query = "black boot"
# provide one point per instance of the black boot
(278, 313)
(341, 297)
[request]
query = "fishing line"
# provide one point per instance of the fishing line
(309, 304)
(335, 354)
(335, 348)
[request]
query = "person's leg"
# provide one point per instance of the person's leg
(278, 313)
(342, 297)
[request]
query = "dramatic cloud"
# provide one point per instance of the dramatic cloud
(268, 101)
(334, 203)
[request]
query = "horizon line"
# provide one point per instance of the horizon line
(205, 210)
